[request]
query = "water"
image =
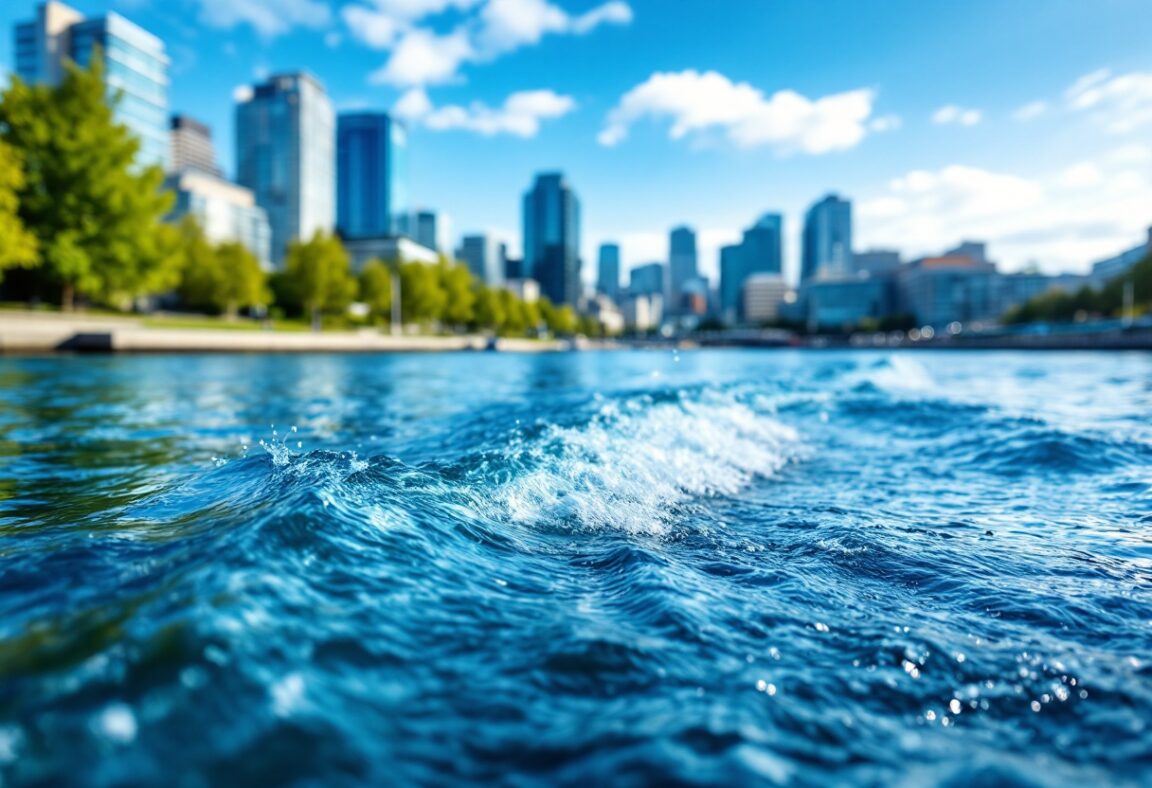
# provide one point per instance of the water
(637, 568)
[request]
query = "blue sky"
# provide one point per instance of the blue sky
(1026, 124)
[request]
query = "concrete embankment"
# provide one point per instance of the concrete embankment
(46, 332)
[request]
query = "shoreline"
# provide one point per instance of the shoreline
(37, 333)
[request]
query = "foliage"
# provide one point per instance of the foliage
(242, 283)
(376, 289)
(459, 294)
(1058, 306)
(422, 296)
(17, 245)
(93, 211)
(319, 275)
(220, 278)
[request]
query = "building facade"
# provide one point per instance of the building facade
(190, 146)
(648, 279)
(827, 240)
(608, 270)
(683, 265)
(731, 281)
(135, 67)
(285, 153)
(552, 238)
(1105, 270)
(371, 175)
(763, 296)
(225, 211)
(390, 249)
(876, 262)
(484, 256)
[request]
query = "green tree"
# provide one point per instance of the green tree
(489, 312)
(561, 320)
(94, 212)
(422, 298)
(513, 308)
(376, 288)
(17, 245)
(242, 282)
(459, 294)
(320, 275)
(198, 266)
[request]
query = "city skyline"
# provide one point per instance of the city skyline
(1049, 165)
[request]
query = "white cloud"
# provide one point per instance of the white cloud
(1131, 154)
(333, 39)
(1081, 175)
(1031, 110)
(268, 17)
(506, 25)
(520, 115)
(423, 58)
(698, 102)
(953, 114)
(885, 123)
(1121, 103)
(1079, 214)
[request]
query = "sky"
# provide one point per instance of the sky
(1024, 124)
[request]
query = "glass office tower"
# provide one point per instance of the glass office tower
(285, 153)
(135, 67)
(371, 175)
(552, 238)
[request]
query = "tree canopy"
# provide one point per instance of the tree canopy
(94, 212)
(18, 247)
(318, 269)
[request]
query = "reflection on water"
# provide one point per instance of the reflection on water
(648, 567)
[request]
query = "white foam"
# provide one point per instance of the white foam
(634, 464)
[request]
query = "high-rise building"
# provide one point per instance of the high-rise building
(285, 153)
(225, 211)
(731, 281)
(648, 280)
(608, 270)
(827, 251)
(371, 174)
(135, 67)
(191, 146)
(484, 256)
(763, 246)
(552, 238)
(428, 228)
(763, 296)
(876, 262)
(682, 265)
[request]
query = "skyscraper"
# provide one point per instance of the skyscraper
(608, 270)
(191, 146)
(648, 280)
(552, 237)
(371, 174)
(827, 252)
(285, 152)
(484, 257)
(427, 228)
(225, 211)
(682, 265)
(135, 67)
(763, 246)
(731, 281)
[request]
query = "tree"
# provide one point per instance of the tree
(93, 211)
(459, 294)
(489, 312)
(422, 298)
(376, 288)
(320, 275)
(561, 320)
(198, 266)
(17, 246)
(241, 280)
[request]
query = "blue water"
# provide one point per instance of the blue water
(628, 568)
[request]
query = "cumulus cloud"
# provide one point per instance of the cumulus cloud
(489, 29)
(269, 18)
(1031, 110)
(697, 102)
(1122, 103)
(1079, 214)
(885, 123)
(952, 114)
(422, 57)
(520, 115)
